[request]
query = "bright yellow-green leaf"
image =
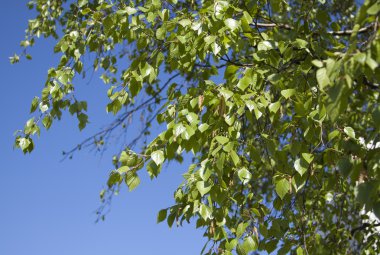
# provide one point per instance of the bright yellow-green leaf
(350, 132)
(282, 187)
(322, 78)
(158, 157)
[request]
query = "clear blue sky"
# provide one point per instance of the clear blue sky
(47, 206)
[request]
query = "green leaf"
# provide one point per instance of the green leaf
(128, 159)
(258, 113)
(240, 250)
(364, 192)
(146, 70)
(345, 166)
(203, 188)
(244, 83)
(47, 121)
(231, 24)
(235, 158)
(205, 211)
(371, 63)
(301, 166)
(337, 101)
(273, 107)
(317, 63)
(24, 143)
(107, 24)
(34, 105)
(43, 107)
(244, 175)
(241, 229)
(230, 119)
(250, 244)
(231, 244)
(222, 140)
(171, 219)
(153, 169)
(132, 180)
(185, 22)
(350, 132)
(265, 45)
(192, 118)
(282, 187)
(123, 169)
(250, 104)
(203, 127)
(287, 93)
(14, 59)
(158, 157)
(226, 93)
(113, 179)
(179, 129)
(82, 3)
(322, 78)
(308, 157)
(300, 251)
(230, 72)
(204, 173)
(300, 44)
(83, 120)
(161, 215)
(332, 135)
(360, 57)
(247, 17)
(161, 33)
(190, 131)
(130, 11)
(374, 9)
(376, 116)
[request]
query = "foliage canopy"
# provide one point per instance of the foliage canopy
(275, 101)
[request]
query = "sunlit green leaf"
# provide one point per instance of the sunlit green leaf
(158, 157)
(282, 187)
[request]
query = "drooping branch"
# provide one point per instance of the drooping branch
(119, 121)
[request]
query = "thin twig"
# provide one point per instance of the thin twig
(119, 120)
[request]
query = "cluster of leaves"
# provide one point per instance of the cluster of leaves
(276, 101)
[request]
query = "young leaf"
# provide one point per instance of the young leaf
(158, 157)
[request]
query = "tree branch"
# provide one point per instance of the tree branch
(119, 121)
(350, 31)
(364, 226)
(338, 33)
